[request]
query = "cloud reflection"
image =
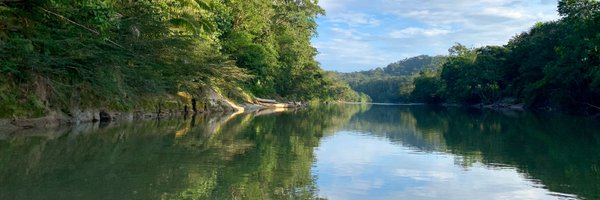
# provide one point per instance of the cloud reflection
(351, 165)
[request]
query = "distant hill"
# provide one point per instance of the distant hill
(414, 65)
(392, 83)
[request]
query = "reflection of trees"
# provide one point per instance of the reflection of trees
(560, 151)
(255, 156)
(398, 124)
(209, 157)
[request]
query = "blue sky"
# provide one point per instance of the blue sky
(364, 34)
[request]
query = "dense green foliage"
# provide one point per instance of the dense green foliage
(555, 65)
(59, 54)
(393, 83)
(206, 157)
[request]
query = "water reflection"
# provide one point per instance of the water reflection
(379, 169)
(206, 157)
(334, 151)
(439, 153)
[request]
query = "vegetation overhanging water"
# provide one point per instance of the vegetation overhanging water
(317, 152)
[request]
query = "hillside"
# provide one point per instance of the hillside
(393, 83)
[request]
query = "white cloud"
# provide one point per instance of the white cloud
(361, 53)
(377, 32)
(346, 33)
(505, 12)
(425, 175)
(412, 31)
(331, 5)
(350, 45)
(354, 19)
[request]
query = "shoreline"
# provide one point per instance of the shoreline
(56, 120)
(211, 101)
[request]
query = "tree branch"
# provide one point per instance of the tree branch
(593, 106)
(71, 21)
(82, 26)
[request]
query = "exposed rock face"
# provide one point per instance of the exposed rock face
(86, 116)
(506, 104)
(53, 119)
(210, 101)
(217, 103)
(6, 126)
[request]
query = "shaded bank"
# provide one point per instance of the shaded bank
(168, 106)
(244, 156)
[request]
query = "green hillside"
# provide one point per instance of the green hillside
(393, 83)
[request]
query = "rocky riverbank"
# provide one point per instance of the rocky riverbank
(211, 102)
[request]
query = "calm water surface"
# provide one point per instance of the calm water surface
(327, 152)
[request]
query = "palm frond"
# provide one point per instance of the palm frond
(186, 24)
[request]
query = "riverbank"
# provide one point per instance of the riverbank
(211, 102)
(171, 106)
(495, 106)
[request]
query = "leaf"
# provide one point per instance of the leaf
(207, 26)
(184, 23)
(203, 5)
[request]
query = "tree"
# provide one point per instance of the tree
(428, 88)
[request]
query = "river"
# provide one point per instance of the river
(323, 152)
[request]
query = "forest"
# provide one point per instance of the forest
(127, 55)
(393, 83)
(553, 66)
(132, 55)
